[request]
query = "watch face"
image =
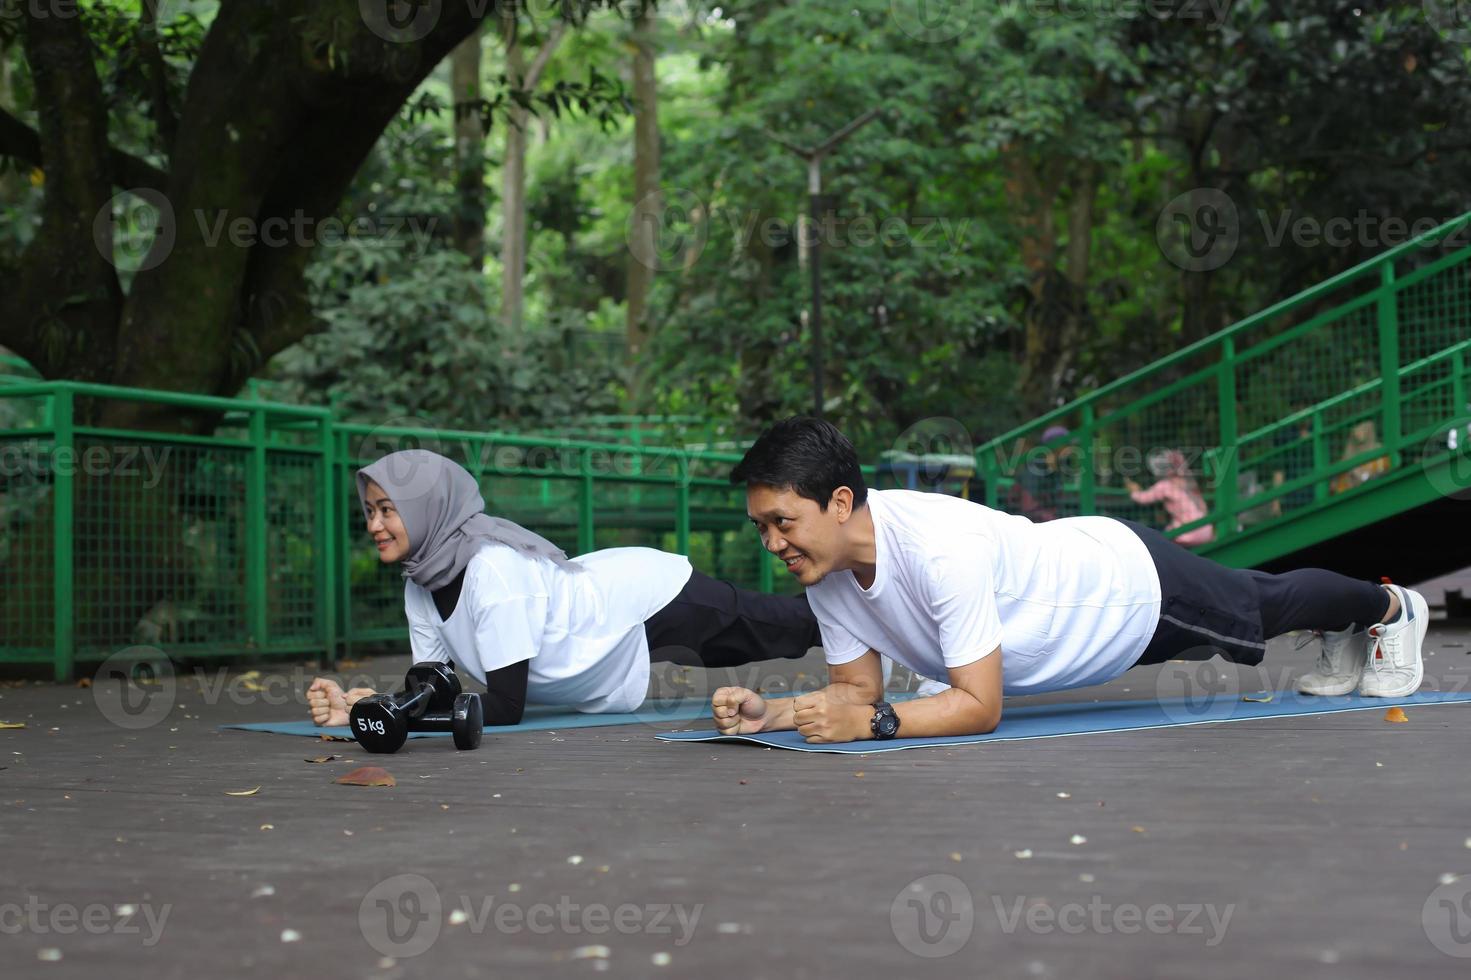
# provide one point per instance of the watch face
(889, 725)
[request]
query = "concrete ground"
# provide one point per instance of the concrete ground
(1322, 846)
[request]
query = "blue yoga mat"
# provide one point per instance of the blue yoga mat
(1054, 720)
(538, 718)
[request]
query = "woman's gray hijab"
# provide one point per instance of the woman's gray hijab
(444, 515)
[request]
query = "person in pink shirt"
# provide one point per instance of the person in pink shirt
(1176, 489)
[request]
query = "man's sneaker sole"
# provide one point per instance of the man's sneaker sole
(1348, 685)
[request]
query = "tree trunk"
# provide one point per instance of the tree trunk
(647, 199)
(469, 228)
(1080, 223)
(513, 172)
(1055, 313)
(280, 110)
(284, 102)
(1032, 196)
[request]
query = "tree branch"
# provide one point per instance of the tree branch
(539, 63)
(158, 75)
(62, 309)
(127, 171)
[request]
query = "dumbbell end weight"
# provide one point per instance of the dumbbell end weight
(468, 721)
(377, 724)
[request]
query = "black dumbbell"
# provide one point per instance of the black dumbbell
(466, 721)
(431, 702)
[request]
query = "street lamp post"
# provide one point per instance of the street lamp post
(813, 155)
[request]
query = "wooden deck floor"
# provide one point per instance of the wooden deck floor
(1303, 847)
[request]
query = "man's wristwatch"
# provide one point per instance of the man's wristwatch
(885, 723)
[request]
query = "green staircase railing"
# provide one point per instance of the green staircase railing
(1333, 408)
(245, 540)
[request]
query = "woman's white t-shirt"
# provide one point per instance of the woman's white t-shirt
(1070, 602)
(582, 631)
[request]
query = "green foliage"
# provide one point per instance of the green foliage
(408, 335)
(1297, 110)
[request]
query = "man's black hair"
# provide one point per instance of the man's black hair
(806, 455)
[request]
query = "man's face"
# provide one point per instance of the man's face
(797, 531)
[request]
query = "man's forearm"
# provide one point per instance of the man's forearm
(779, 711)
(952, 712)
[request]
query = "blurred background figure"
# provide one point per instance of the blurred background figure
(1039, 485)
(1362, 438)
(1177, 490)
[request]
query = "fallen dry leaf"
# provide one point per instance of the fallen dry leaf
(333, 738)
(367, 776)
(12, 724)
(242, 792)
(1396, 715)
(322, 758)
(85, 682)
(858, 774)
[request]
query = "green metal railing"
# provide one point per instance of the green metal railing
(1328, 394)
(582, 495)
(111, 538)
(250, 540)
(14, 369)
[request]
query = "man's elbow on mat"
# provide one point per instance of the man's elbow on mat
(981, 684)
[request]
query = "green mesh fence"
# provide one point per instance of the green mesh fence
(1362, 378)
(582, 495)
(198, 546)
(252, 540)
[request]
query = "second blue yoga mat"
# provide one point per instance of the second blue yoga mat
(1053, 720)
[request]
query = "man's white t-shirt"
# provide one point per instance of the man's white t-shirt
(1070, 602)
(582, 631)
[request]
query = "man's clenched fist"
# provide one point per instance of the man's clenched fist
(738, 711)
(825, 717)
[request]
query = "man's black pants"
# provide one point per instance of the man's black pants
(1207, 608)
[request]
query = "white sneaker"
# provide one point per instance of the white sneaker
(1395, 667)
(1340, 666)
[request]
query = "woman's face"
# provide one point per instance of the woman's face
(385, 526)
